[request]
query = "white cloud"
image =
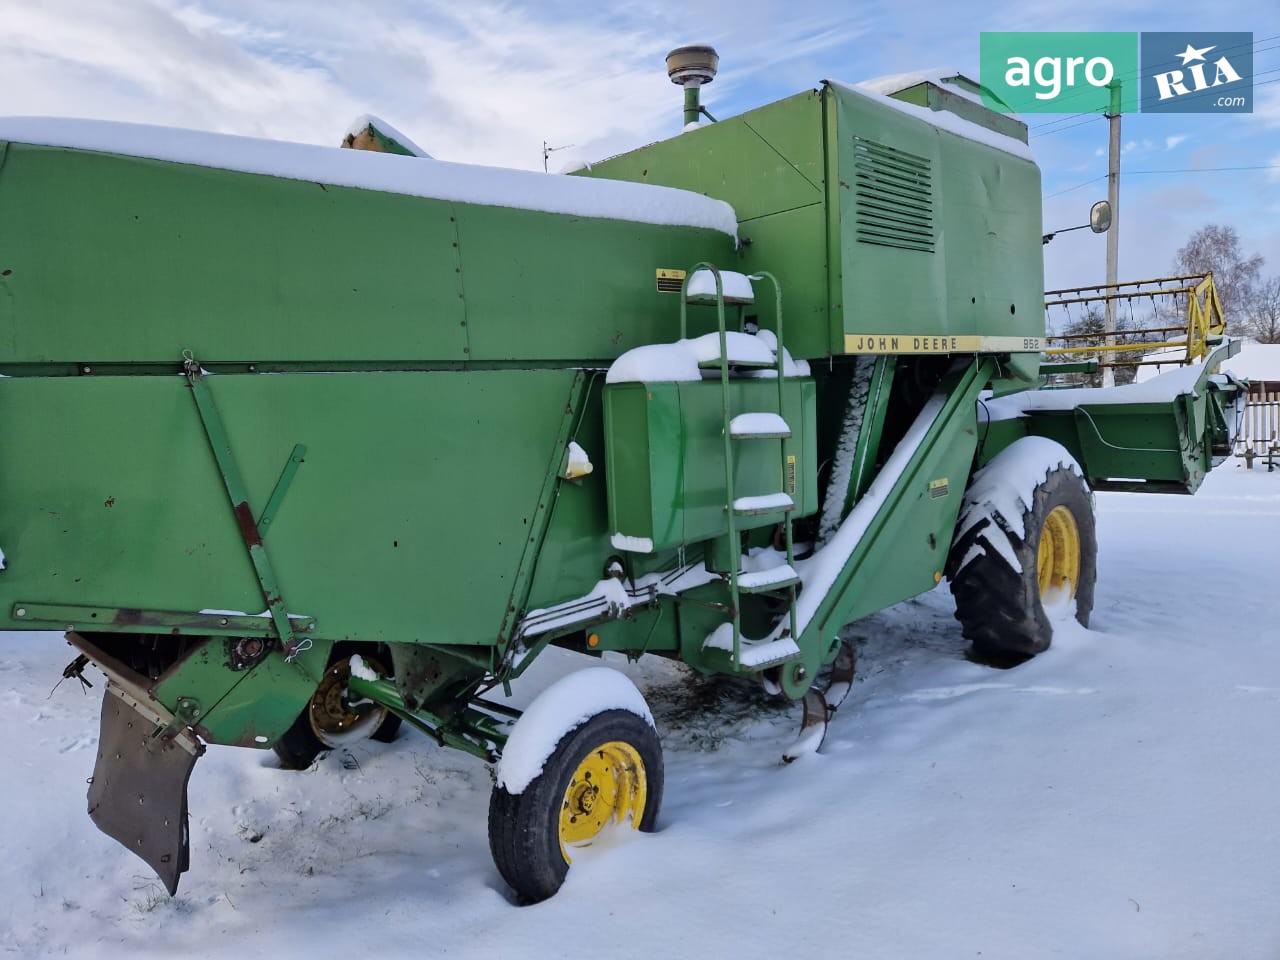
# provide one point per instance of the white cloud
(1173, 141)
(483, 81)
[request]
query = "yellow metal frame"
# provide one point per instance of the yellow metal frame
(1205, 321)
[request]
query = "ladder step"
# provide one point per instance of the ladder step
(741, 349)
(753, 655)
(736, 286)
(759, 426)
(752, 364)
(766, 503)
(762, 581)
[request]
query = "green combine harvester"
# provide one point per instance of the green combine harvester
(306, 443)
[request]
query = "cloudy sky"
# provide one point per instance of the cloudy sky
(486, 81)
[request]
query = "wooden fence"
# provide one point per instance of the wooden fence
(1260, 427)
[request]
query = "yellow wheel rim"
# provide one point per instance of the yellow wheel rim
(609, 786)
(1058, 561)
(332, 720)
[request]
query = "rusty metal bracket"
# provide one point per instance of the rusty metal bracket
(238, 493)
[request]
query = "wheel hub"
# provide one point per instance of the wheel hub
(608, 786)
(1058, 558)
(331, 714)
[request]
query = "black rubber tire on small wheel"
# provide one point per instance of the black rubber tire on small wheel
(525, 829)
(1001, 610)
(299, 746)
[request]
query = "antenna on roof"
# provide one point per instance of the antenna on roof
(547, 151)
(691, 67)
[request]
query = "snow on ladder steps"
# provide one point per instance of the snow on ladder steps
(678, 362)
(758, 579)
(765, 425)
(765, 503)
(751, 653)
(736, 286)
(739, 348)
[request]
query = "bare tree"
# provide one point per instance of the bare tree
(1216, 247)
(1264, 311)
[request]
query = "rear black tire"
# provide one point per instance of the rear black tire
(525, 828)
(1000, 607)
(298, 748)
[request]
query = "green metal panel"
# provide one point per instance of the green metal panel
(665, 457)
(770, 165)
(539, 287)
(791, 171)
(571, 557)
(122, 259)
(1155, 447)
(791, 243)
(249, 707)
(109, 259)
(983, 275)
(119, 503)
(905, 547)
(261, 706)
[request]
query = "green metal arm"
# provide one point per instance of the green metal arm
(211, 420)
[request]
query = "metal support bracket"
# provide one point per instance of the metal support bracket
(296, 459)
(211, 420)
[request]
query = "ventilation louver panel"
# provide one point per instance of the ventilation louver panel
(894, 193)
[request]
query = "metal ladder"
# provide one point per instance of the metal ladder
(752, 427)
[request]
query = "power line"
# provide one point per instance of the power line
(1183, 99)
(1092, 118)
(1099, 114)
(1261, 166)
(1080, 186)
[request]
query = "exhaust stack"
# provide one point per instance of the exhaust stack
(691, 67)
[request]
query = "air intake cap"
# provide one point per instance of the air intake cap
(692, 66)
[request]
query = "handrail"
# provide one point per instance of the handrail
(726, 414)
(730, 517)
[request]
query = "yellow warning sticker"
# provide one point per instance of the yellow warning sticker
(791, 473)
(939, 488)
(670, 281)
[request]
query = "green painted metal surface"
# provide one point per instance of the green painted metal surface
(1167, 446)
(877, 225)
(390, 384)
(248, 705)
(370, 441)
(416, 488)
(666, 461)
(238, 267)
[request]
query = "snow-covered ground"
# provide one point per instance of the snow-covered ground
(1114, 798)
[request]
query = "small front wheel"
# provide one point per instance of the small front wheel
(605, 771)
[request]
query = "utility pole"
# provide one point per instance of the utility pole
(1113, 235)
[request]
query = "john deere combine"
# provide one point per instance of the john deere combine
(303, 444)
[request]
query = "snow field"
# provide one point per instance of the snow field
(1113, 798)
